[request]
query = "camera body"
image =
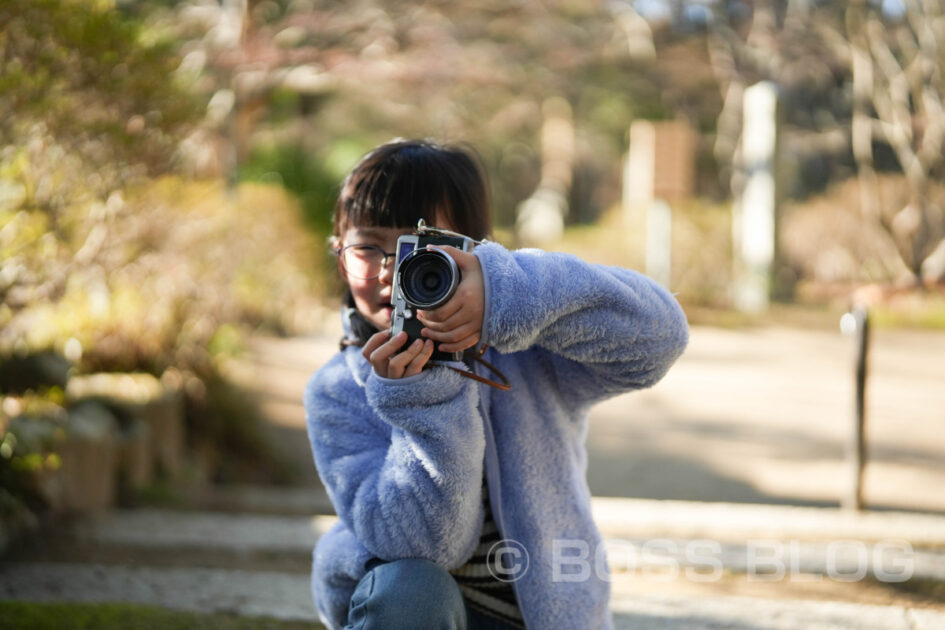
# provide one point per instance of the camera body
(424, 279)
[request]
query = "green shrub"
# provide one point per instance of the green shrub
(302, 174)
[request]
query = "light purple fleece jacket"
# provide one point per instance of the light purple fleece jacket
(403, 459)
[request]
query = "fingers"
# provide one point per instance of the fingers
(464, 260)
(386, 350)
(374, 343)
(443, 313)
(383, 352)
(458, 328)
(460, 308)
(411, 360)
(456, 319)
(462, 344)
(452, 335)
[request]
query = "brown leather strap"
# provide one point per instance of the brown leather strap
(503, 385)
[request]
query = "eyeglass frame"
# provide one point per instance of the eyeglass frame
(422, 229)
(340, 253)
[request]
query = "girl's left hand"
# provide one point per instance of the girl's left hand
(457, 325)
(385, 355)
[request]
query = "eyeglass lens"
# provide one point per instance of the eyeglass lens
(363, 261)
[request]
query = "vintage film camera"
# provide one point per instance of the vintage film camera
(424, 279)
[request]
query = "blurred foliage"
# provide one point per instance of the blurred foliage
(112, 257)
(825, 237)
(860, 92)
(314, 180)
(81, 116)
(77, 78)
(32, 427)
(95, 245)
(303, 88)
(909, 309)
(160, 270)
(292, 167)
(103, 98)
(178, 272)
(322, 74)
(300, 79)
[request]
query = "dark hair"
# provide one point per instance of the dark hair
(403, 181)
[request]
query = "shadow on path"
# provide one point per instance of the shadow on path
(683, 439)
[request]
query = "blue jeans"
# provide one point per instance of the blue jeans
(410, 594)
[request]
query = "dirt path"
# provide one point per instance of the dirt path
(756, 416)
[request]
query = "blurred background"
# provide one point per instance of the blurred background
(167, 172)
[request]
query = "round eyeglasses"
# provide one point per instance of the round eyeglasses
(364, 262)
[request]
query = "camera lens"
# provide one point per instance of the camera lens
(428, 278)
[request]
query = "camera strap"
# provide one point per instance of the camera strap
(503, 383)
(361, 330)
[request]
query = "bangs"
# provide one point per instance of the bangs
(393, 189)
(401, 182)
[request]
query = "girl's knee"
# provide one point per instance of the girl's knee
(409, 593)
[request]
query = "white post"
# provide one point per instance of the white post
(638, 193)
(754, 215)
(540, 218)
(659, 229)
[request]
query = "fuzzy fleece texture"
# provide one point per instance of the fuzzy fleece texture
(403, 459)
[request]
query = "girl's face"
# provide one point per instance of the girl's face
(373, 297)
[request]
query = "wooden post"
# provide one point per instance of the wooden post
(659, 172)
(856, 322)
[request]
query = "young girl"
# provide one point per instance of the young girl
(460, 505)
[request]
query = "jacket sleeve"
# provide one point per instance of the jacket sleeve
(602, 330)
(401, 459)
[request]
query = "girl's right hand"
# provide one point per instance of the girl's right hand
(381, 350)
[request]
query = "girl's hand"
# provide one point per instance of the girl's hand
(381, 350)
(457, 325)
